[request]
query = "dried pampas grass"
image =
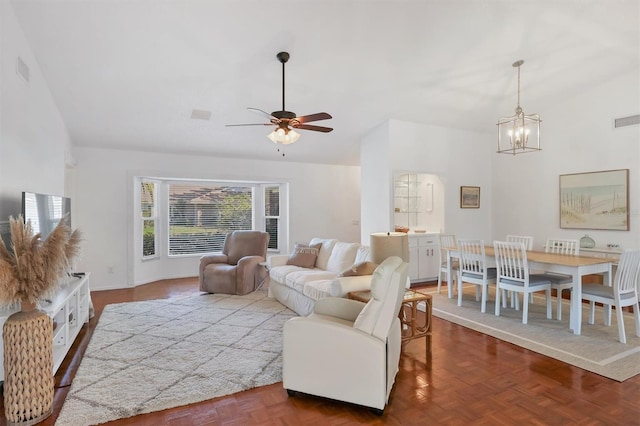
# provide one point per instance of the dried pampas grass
(32, 269)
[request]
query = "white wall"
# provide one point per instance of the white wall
(576, 136)
(323, 202)
(376, 177)
(33, 136)
(458, 157)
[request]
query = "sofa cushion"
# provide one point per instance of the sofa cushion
(363, 255)
(342, 256)
(279, 273)
(325, 251)
(357, 269)
(316, 290)
(342, 286)
(298, 279)
(304, 255)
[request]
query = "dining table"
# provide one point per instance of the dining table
(575, 266)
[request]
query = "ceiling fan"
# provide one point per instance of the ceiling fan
(285, 120)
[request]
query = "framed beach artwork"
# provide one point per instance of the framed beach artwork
(469, 197)
(595, 200)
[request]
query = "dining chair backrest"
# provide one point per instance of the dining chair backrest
(511, 261)
(528, 241)
(446, 240)
(628, 273)
(472, 257)
(562, 246)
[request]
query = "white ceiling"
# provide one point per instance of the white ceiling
(126, 74)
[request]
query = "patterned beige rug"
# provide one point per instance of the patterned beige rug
(152, 355)
(597, 349)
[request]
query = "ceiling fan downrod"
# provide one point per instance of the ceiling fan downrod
(283, 57)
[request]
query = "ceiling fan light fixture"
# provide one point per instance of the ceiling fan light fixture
(283, 136)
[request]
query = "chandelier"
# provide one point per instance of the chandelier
(519, 133)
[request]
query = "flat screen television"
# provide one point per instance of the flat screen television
(45, 211)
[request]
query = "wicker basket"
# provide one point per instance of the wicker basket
(28, 367)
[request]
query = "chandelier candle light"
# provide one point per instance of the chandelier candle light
(519, 133)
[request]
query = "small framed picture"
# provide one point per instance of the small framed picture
(469, 197)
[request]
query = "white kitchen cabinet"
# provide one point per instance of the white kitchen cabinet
(424, 263)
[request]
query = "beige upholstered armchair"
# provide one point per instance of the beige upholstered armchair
(237, 269)
(346, 350)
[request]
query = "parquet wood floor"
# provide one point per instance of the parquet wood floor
(469, 378)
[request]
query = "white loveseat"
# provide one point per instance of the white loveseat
(299, 288)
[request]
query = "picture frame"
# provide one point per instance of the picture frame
(469, 197)
(595, 200)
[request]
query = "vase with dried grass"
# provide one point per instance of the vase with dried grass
(31, 270)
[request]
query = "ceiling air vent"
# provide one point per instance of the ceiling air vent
(200, 114)
(22, 69)
(632, 120)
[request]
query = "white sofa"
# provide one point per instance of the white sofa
(299, 288)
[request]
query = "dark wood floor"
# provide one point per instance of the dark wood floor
(469, 378)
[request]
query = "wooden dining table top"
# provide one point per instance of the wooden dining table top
(552, 258)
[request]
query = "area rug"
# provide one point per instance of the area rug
(158, 354)
(597, 349)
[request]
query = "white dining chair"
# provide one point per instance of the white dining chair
(473, 269)
(447, 240)
(623, 292)
(560, 282)
(513, 275)
(528, 245)
(526, 240)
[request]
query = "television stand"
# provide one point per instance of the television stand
(69, 309)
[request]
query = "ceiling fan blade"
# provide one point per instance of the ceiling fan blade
(252, 124)
(314, 128)
(314, 117)
(259, 111)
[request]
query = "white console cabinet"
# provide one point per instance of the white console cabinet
(69, 310)
(424, 264)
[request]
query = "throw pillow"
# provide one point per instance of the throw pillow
(304, 255)
(363, 268)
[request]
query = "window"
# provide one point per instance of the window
(201, 215)
(272, 215)
(148, 216)
(186, 217)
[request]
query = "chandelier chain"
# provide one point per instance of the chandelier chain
(518, 86)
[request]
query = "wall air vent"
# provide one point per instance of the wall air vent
(22, 69)
(200, 114)
(632, 120)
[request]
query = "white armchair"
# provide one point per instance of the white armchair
(347, 350)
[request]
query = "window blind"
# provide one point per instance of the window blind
(201, 215)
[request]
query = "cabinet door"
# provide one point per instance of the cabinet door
(424, 261)
(429, 261)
